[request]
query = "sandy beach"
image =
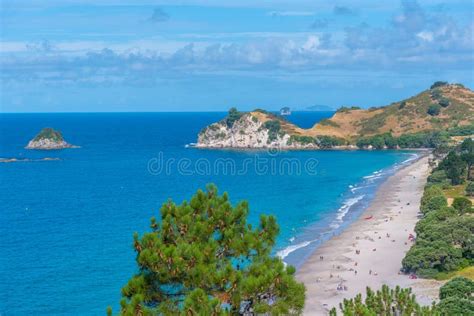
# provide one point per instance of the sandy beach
(369, 252)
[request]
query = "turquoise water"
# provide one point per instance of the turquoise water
(67, 225)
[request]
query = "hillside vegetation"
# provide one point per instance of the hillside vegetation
(433, 117)
(49, 133)
(441, 107)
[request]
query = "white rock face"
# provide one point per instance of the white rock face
(47, 144)
(247, 132)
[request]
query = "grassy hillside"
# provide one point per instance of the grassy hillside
(438, 108)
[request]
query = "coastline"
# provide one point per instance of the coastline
(352, 204)
(393, 211)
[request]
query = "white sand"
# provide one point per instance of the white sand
(395, 212)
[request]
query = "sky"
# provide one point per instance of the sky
(196, 55)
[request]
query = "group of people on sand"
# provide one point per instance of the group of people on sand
(341, 287)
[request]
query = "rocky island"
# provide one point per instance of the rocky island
(435, 115)
(49, 139)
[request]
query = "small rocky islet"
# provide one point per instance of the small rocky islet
(49, 139)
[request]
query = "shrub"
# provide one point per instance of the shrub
(385, 301)
(429, 193)
(328, 122)
(436, 94)
(460, 287)
(462, 204)
(402, 105)
(304, 140)
(437, 84)
(273, 127)
(444, 102)
(439, 177)
(347, 109)
(329, 141)
(457, 297)
(233, 116)
(455, 306)
(470, 188)
(435, 203)
(434, 109)
(463, 130)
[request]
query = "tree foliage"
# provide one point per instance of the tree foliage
(458, 287)
(233, 116)
(434, 109)
(457, 297)
(444, 235)
(462, 204)
(49, 133)
(467, 155)
(412, 140)
(470, 188)
(273, 127)
(454, 166)
(444, 102)
(203, 258)
(438, 84)
(386, 301)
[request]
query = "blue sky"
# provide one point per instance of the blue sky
(196, 55)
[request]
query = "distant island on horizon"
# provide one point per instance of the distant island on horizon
(48, 139)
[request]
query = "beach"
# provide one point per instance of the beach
(369, 252)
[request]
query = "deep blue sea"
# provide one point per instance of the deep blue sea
(67, 224)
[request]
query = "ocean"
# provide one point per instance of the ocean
(67, 224)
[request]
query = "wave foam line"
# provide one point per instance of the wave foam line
(286, 251)
(342, 211)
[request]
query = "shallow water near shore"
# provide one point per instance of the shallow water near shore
(67, 224)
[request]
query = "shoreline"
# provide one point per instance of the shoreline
(354, 202)
(384, 226)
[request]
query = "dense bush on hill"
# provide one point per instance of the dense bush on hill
(414, 140)
(329, 141)
(434, 109)
(49, 133)
(464, 130)
(273, 127)
(438, 84)
(347, 109)
(301, 140)
(444, 102)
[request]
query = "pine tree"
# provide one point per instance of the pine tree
(203, 258)
(387, 302)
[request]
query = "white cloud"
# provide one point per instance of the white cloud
(426, 36)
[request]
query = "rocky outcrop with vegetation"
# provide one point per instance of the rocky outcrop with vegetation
(257, 129)
(48, 139)
(432, 117)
